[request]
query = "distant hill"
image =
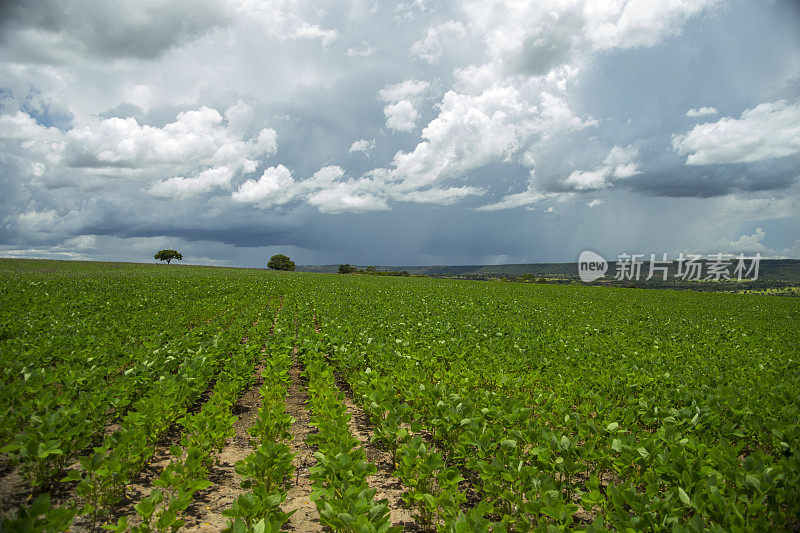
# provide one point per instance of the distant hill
(769, 269)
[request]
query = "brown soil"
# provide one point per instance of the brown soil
(298, 498)
(205, 512)
(140, 485)
(14, 491)
(388, 487)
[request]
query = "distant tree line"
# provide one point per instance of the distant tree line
(347, 268)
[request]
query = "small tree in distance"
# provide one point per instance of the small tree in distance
(280, 262)
(347, 268)
(168, 255)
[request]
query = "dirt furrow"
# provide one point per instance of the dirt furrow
(388, 487)
(298, 498)
(205, 512)
(141, 484)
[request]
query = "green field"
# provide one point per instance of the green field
(424, 403)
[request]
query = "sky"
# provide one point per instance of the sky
(398, 133)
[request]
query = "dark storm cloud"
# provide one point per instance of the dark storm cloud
(717, 180)
(104, 28)
(244, 236)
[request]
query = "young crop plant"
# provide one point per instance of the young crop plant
(38, 450)
(273, 422)
(257, 511)
(391, 419)
(343, 498)
(270, 466)
(100, 484)
(268, 470)
(432, 487)
(204, 433)
(39, 516)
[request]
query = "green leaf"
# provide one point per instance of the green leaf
(72, 475)
(684, 497)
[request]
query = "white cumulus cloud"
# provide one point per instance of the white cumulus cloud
(439, 196)
(618, 164)
(286, 20)
(749, 243)
(431, 47)
(275, 186)
(180, 187)
(402, 100)
(365, 50)
(346, 197)
(701, 112)
(20, 126)
(768, 131)
(630, 23)
(198, 136)
(328, 190)
(526, 198)
(363, 145)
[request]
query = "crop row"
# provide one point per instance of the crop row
(56, 429)
(343, 498)
(267, 471)
(433, 487)
(101, 476)
(204, 434)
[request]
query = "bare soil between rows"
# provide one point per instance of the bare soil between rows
(388, 487)
(205, 512)
(298, 498)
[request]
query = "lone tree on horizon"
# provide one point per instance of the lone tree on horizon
(280, 262)
(168, 255)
